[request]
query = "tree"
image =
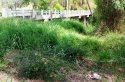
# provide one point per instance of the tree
(110, 13)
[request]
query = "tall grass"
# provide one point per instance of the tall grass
(74, 25)
(42, 36)
(113, 49)
(46, 37)
(65, 39)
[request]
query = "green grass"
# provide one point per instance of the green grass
(57, 41)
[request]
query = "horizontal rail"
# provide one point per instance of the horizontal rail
(46, 13)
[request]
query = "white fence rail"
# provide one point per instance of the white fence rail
(45, 14)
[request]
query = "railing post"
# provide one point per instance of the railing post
(67, 13)
(54, 12)
(4, 13)
(85, 21)
(61, 15)
(72, 13)
(33, 14)
(41, 12)
(49, 13)
(23, 14)
(46, 12)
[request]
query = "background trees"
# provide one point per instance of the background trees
(59, 4)
(110, 13)
(44, 4)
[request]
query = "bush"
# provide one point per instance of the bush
(90, 29)
(32, 64)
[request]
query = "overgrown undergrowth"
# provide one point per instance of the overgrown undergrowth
(54, 44)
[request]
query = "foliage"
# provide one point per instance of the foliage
(71, 25)
(41, 4)
(110, 12)
(57, 6)
(32, 64)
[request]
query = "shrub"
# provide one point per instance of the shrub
(32, 64)
(90, 29)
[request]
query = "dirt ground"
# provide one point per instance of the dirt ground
(4, 77)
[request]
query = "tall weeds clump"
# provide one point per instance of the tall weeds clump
(3, 46)
(75, 25)
(27, 35)
(71, 25)
(110, 13)
(43, 37)
(113, 48)
(76, 46)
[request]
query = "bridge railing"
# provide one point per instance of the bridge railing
(53, 13)
(20, 13)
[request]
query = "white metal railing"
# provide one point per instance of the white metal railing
(54, 13)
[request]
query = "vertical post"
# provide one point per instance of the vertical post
(23, 14)
(85, 21)
(55, 12)
(60, 12)
(41, 12)
(46, 11)
(33, 14)
(4, 12)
